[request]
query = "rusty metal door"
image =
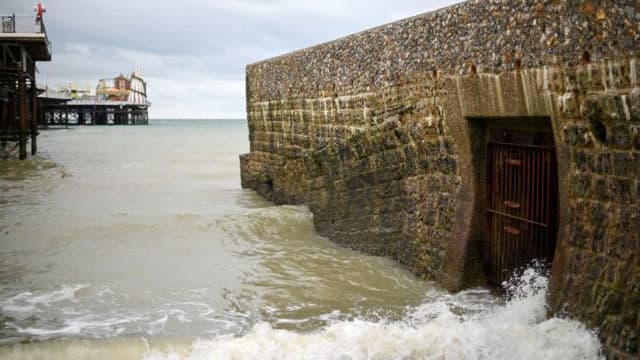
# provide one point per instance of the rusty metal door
(521, 201)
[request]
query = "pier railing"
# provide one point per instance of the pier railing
(22, 24)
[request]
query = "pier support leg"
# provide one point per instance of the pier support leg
(43, 117)
(4, 123)
(22, 132)
(34, 119)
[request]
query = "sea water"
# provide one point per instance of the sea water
(137, 242)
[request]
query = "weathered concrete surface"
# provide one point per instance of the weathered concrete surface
(382, 135)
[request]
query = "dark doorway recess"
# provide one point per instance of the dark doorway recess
(521, 200)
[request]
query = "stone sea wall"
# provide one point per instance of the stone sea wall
(598, 268)
(382, 135)
(488, 35)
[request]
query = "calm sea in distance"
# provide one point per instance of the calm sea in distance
(137, 242)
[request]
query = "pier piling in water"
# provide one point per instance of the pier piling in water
(92, 112)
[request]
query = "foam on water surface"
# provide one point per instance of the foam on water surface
(468, 325)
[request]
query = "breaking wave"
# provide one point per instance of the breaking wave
(469, 325)
(517, 329)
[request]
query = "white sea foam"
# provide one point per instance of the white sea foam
(86, 325)
(30, 302)
(134, 165)
(67, 292)
(47, 298)
(517, 329)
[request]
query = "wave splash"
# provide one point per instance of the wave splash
(517, 329)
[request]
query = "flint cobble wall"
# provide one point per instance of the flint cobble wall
(492, 35)
(601, 279)
(378, 134)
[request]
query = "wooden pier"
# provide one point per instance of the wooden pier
(23, 41)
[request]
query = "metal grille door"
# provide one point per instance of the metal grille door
(522, 210)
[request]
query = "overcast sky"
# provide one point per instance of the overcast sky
(193, 53)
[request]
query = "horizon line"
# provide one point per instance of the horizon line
(221, 118)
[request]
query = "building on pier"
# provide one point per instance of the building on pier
(23, 42)
(117, 101)
(74, 91)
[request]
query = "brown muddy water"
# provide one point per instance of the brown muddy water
(138, 243)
